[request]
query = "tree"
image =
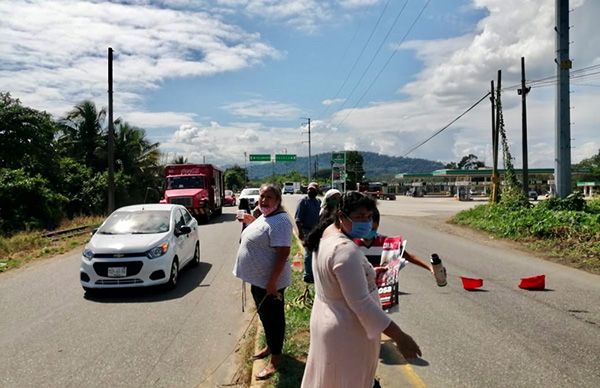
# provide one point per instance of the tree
(179, 160)
(592, 164)
(27, 139)
(235, 177)
(470, 162)
(82, 134)
(354, 169)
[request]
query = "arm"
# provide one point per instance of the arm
(348, 267)
(281, 260)
(406, 345)
(417, 261)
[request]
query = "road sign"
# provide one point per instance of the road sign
(338, 157)
(285, 157)
(260, 157)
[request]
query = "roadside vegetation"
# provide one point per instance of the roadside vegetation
(24, 247)
(297, 309)
(567, 230)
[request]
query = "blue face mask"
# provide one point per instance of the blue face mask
(371, 235)
(360, 229)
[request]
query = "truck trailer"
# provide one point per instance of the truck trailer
(198, 187)
(377, 190)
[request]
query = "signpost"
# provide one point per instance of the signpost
(260, 157)
(338, 170)
(285, 157)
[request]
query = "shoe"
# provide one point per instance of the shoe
(266, 373)
(262, 354)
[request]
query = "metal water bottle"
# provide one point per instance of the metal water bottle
(438, 270)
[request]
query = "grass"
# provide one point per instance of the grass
(297, 337)
(24, 247)
(570, 237)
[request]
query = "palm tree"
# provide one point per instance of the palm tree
(179, 160)
(134, 154)
(82, 133)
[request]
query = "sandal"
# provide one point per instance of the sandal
(266, 373)
(262, 354)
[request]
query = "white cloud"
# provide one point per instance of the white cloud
(54, 53)
(328, 101)
(263, 109)
(457, 72)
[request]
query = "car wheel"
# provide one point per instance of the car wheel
(196, 258)
(174, 276)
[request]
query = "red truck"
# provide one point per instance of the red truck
(198, 187)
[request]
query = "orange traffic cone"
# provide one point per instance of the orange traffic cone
(471, 283)
(537, 282)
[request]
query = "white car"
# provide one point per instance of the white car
(140, 245)
(252, 195)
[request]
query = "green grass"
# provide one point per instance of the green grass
(297, 315)
(24, 247)
(570, 237)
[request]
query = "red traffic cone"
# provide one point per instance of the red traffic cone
(471, 283)
(537, 282)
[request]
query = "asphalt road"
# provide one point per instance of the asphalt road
(501, 336)
(51, 336)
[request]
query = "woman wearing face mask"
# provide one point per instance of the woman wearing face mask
(262, 261)
(347, 320)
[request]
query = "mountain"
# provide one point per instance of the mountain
(375, 165)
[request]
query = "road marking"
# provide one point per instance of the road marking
(413, 378)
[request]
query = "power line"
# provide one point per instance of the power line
(359, 55)
(413, 148)
(362, 76)
(385, 64)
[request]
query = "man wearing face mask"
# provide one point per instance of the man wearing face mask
(307, 217)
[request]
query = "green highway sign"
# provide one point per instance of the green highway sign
(285, 157)
(338, 157)
(260, 157)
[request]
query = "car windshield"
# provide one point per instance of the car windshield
(250, 192)
(185, 182)
(137, 222)
(228, 192)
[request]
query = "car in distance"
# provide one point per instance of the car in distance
(252, 195)
(533, 195)
(140, 245)
(229, 199)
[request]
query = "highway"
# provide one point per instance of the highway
(501, 336)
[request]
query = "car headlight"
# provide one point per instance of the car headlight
(158, 251)
(88, 254)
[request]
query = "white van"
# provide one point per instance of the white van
(291, 187)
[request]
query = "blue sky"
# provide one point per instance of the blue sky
(212, 79)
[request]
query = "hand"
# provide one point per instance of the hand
(407, 346)
(248, 219)
(272, 290)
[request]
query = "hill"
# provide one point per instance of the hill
(375, 165)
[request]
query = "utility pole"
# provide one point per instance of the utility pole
(309, 163)
(495, 179)
(111, 136)
(523, 93)
(562, 166)
(245, 169)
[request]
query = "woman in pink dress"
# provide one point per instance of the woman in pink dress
(347, 320)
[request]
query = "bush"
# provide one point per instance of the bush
(573, 201)
(27, 202)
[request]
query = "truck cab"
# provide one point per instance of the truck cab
(198, 187)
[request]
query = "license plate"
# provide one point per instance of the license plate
(117, 272)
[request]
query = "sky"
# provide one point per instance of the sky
(215, 80)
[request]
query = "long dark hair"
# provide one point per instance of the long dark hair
(351, 201)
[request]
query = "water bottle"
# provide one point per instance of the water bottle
(438, 270)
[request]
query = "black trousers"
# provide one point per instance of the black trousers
(272, 315)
